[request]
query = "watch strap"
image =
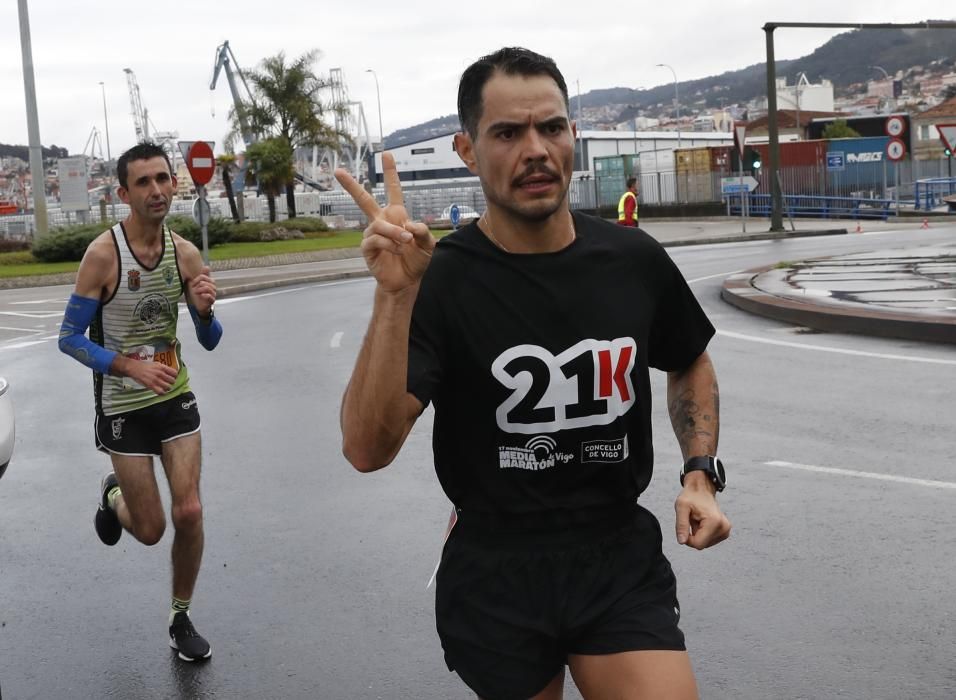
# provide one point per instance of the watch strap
(708, 464)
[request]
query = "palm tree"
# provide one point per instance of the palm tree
(285, 103)
(271, 162)
(226, 161)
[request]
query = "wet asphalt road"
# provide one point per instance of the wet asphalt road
(834, 585)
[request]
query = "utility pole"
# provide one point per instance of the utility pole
(676, 99)
(109, 157)
(776, 216)
(33, 124)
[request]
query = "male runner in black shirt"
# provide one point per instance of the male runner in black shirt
(532, 331)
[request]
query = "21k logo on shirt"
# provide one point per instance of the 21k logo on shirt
(588, 384)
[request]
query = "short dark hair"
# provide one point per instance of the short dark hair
(141, 151)
(512, 60)
(631, 181)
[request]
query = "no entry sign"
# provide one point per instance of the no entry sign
(200, 162)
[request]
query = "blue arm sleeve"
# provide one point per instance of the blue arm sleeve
(73, 341)
(208, 333)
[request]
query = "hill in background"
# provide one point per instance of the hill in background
(847, 60)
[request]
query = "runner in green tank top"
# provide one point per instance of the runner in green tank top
(127, 293)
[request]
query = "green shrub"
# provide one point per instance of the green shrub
(23, 257)
(10, 245)
(306, 224)
(66, 244)
(218, 230)
(96, 227)
(248, 231)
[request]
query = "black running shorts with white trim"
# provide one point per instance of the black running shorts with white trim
(510, 609)
(142, 432)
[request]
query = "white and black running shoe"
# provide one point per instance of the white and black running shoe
(106, 523)
(184, 638)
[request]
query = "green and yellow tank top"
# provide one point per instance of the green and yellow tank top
(139, 321)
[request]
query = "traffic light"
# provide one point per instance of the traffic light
(752, 160)
(947, 152)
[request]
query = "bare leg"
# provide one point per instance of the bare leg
(139, 506)
(635, 675)
(181, 460)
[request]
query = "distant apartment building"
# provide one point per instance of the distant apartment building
(638, 124)
(802, 96)
(925, 139)
(935, 85)
(714, 120)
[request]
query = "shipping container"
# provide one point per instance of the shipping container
(693, 160)
(706, 159)
(720, 157)
(855, 167)
(611, 173)
(866, 170)
(656, 162)
(794, 154)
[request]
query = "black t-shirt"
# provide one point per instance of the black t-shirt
(537, 365)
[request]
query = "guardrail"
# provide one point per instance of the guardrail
(799, 205)
(929, 192)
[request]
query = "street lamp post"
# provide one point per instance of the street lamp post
(886, 76)
(796, 89)
(579, 126)
(378, 100)
(109, 156)
(33, 123)
(676, 99)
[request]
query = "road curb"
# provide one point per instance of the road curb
(744, 237)
(741, 291)
(227, 290)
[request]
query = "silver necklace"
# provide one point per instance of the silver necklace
(486, 229)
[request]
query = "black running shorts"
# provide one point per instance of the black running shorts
(510, 609)
(142, 432)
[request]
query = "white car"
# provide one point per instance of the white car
(7, 427)
(465, 213)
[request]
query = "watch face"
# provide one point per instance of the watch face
(719, 469)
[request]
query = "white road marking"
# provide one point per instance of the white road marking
(32, 314)
(258, 295)
(337, 340)
(839, 351)
(40, 301)
(819, 348)
(710, 277)
(17, 346)
(22, 330)
(864, 475)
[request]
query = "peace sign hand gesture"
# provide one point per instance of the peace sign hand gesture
(397, 251)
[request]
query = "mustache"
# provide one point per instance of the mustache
(535, 169)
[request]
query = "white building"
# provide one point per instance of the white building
(803, 95)
(435, 160)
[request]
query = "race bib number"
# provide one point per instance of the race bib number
(163, 354)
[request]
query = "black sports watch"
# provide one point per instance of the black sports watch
(711, 465)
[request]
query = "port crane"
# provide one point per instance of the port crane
(140, 119)
(349, 122)
(225, 60)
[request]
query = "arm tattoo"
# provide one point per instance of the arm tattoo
(696, 430)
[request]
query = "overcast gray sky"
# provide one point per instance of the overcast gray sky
(417, 48)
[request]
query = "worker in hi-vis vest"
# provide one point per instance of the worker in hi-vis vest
(627, 206)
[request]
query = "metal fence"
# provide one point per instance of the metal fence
(429, 203)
